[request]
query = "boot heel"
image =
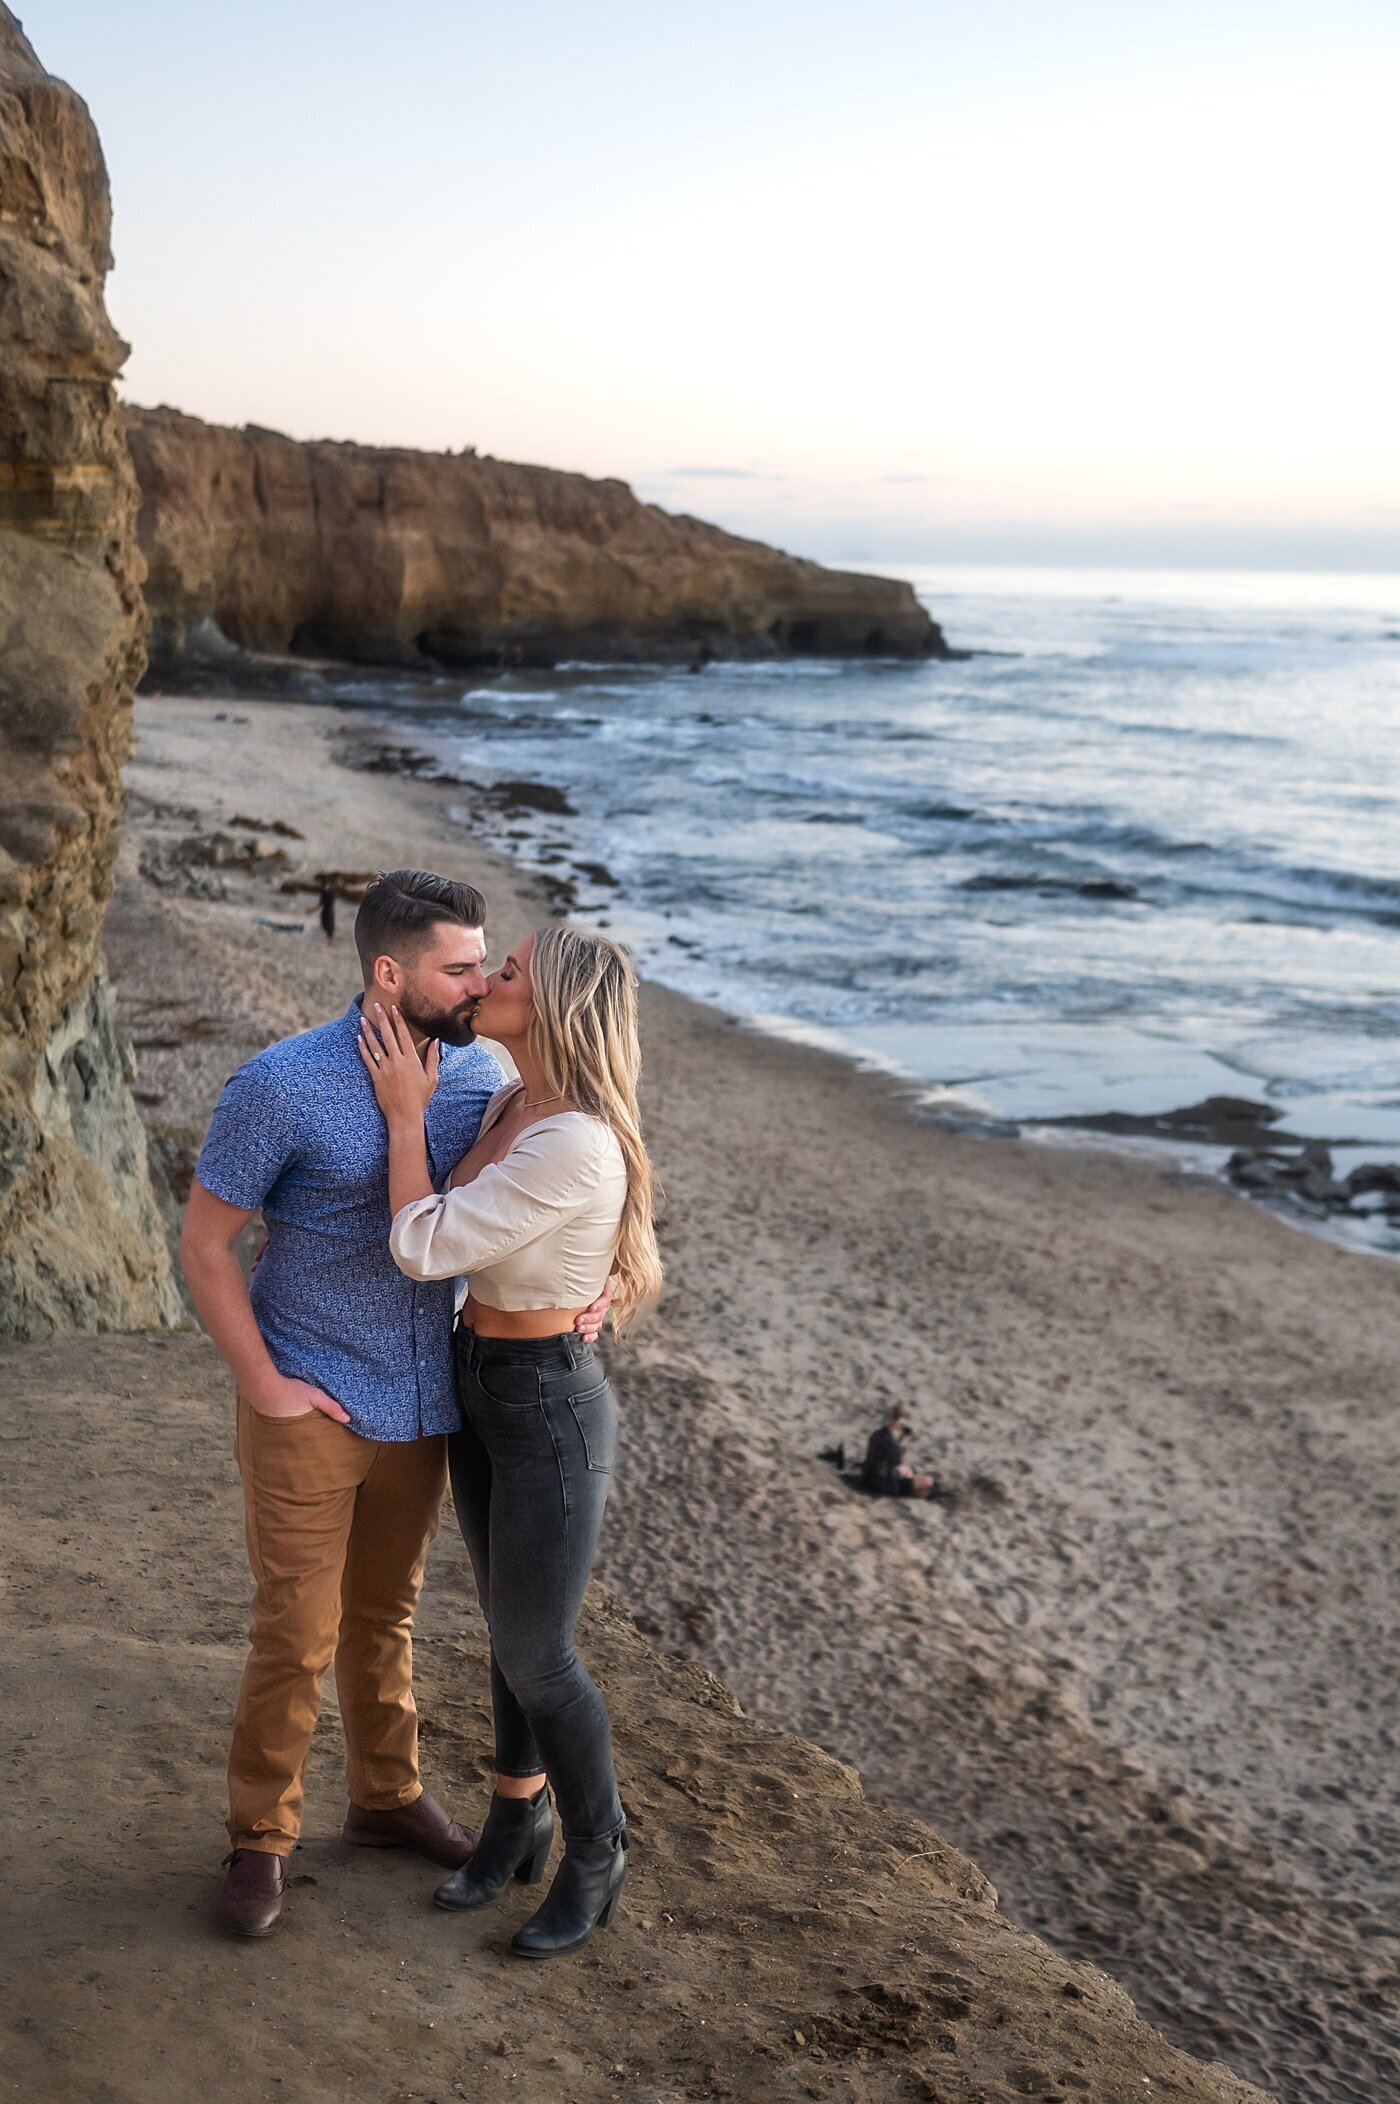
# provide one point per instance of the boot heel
(582, 1898)
(532, 1869)
(613, 1897)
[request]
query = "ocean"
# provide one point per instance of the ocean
(1140, 848)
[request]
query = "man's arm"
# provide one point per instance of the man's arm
(208, 1258)
(591, 1321)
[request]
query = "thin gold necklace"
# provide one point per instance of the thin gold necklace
(526, 1104)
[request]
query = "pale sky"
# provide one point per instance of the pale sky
(1003, 279)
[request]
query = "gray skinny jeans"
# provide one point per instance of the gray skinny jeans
(530, 1475)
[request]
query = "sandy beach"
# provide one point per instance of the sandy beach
(1138, 1667)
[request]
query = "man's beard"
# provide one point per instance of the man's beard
(451, 1026)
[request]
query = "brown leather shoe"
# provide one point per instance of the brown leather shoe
(422, 1826)
(251, 1901)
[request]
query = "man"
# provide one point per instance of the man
(343, 1368)
(885, 1473)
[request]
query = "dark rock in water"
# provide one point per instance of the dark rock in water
(513, 797)
(1316, 1183)
(1215, 1111)
(1374, 1176)
(972, 1124)
(1052, 887)
(1106, 888)
(384, 757)
(598, 873)
(1256, 1172)
(562, 893)
(1222, 1121)
(1306, 1175)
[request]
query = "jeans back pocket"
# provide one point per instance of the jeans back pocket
(595, 1414)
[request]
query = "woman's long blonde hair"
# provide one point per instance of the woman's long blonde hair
(584, 1035)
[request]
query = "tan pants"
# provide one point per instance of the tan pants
(338, 1532)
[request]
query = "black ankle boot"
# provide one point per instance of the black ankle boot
(580, 1900)
(515, 1843)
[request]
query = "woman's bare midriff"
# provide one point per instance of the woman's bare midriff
(518, 1322)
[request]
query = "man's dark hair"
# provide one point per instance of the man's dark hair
(400, 909)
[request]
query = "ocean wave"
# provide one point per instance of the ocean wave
(1105, 722)
(1148, 864)
(1333, 892)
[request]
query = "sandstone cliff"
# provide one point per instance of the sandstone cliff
(403, 558)
(81, 1244)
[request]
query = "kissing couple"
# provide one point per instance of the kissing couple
(392, 1159)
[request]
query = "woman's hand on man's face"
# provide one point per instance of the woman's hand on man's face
(402, 1081)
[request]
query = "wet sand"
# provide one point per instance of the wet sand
(1141, 1667)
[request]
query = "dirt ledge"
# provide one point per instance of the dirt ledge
(782, 1938)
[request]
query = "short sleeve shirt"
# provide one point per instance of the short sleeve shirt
(298, 1133)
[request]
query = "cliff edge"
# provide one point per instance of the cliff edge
(406, 558)
(81, 1244)
(781, 1937)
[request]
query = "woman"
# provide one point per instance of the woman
(555, 1197)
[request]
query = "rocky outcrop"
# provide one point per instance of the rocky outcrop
(406, 558)
(81, 1242)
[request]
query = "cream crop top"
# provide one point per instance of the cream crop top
(537, 1229)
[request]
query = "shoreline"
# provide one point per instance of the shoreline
(1120, 1670)
(1346, 1189)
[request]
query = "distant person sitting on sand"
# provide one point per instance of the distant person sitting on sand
(885, 1473)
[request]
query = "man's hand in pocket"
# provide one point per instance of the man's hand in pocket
(285, 1397)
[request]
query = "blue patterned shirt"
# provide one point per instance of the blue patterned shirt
(297, 1131)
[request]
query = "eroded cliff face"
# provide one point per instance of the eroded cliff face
(403, 558)
(81, 1242)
